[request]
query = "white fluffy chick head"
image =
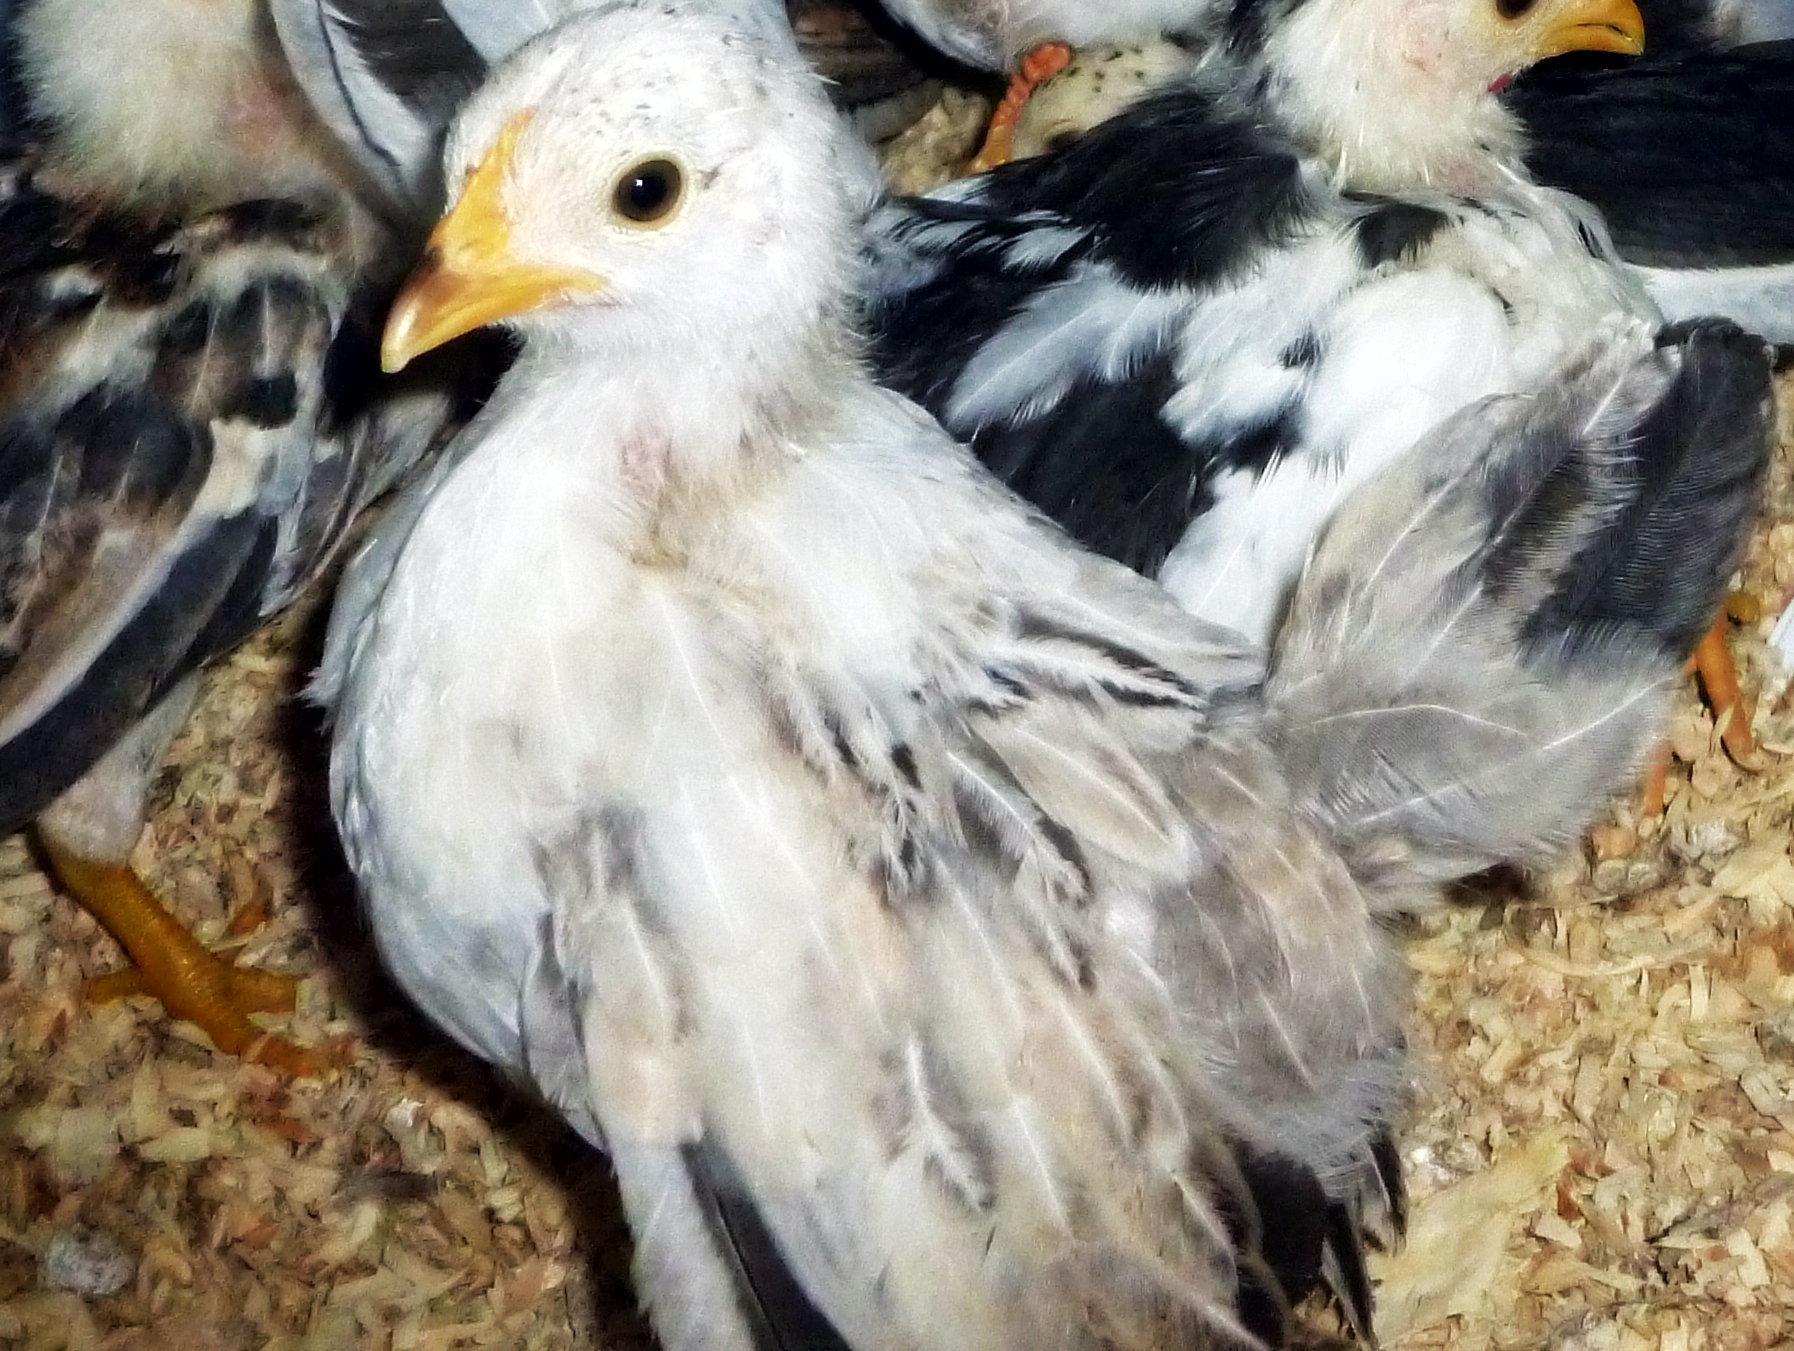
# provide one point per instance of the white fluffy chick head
(1402, 93)
(647, 176)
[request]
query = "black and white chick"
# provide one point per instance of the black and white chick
(1034, 39)
(1189, 334)
(189, 419)
(998, 34)
(954, 943)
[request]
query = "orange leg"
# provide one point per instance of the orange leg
(1656, 784)
(191, 982)
(1719, 681)
(1713, 667)
(1038, 66)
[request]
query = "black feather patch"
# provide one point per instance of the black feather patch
(781, 1315)
(1691, 162)
(35, 228)
(413, 48)
(924, 335)
(1105, 465)
(1346, 1271)
(1679, 25)
(263, 220)
(1175, 192)
(1395, 232)
(1304, 354)
(267, 400)
(1388, 1165)
(130, 449)
(1245, 24)
(14, 101)
(1653, 563)
(1279, 1218)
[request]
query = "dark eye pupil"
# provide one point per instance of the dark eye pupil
(1512, 9)
(648, 191)
(647, 194)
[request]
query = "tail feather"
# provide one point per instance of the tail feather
(706, 1264)
(781, 1315)
(1297, 1239)
(1478, 653)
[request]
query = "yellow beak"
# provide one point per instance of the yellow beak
(469, 276)
(1593, 26)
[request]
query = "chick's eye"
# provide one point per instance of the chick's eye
(648, 192)
(1512, 9)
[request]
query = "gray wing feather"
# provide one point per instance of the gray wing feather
(1209, 1010)
(1479, 652)
(386, 76)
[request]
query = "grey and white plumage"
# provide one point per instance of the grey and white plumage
(918, 908)
(177, 462)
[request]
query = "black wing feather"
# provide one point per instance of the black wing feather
(1690, 160)
(1175, 191)
(1663, 551)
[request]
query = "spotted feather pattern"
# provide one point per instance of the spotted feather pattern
(186, 428)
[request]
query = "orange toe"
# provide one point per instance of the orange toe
(1038, 66)
(191, 982)
(1719, 681)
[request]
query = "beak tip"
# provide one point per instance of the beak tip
(405, 336)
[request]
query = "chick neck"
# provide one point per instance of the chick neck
(1382, 106)
(688, 423)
